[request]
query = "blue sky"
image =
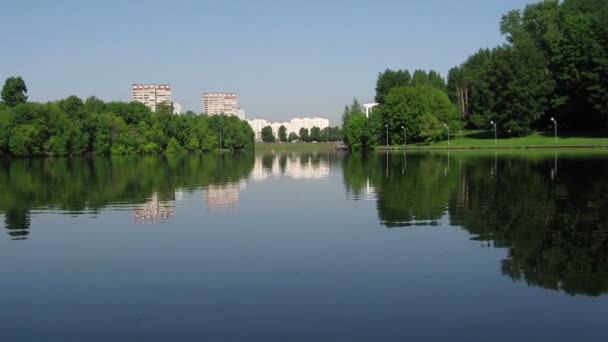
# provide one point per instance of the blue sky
(283, 58)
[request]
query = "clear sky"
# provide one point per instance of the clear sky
(283, 58)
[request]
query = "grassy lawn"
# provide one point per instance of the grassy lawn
(297, 147)
(483, 139)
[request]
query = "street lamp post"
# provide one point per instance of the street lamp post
(404, 136)
(495, 132)
(448, 127)
(555, 125)
(386, 135)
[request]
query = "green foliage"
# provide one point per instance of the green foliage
(315, 134)
(74, 127)
(267, 135)
(304, 136)
(555, 64)
(282, 134)
(355, 132)
(174, 146)
(421, 110)
(14, 91)
(293, 136)
(390, 79)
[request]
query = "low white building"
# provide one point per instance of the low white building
(177, 108)
(292, 126)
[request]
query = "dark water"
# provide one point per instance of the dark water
(306, 247)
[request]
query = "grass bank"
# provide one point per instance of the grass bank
(485, 140)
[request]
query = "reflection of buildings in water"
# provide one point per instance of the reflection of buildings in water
(304, 167)
(223, 196)
(155, 211)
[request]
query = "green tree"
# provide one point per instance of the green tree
(315, 134)
(293, 136)
(388, 80)
(422, 110)
(282, 133)
(267, 135)
(14, 91)
(304, 134)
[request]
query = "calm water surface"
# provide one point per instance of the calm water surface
(463, 246)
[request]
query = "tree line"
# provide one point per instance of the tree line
(411, 109)
(315, 134)
(554, 64)
(73, 127)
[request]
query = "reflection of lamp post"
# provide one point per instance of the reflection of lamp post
(448, 127)
(404, 136)
(220, 138)
(555, 124)
(386, 135)
(495, 132)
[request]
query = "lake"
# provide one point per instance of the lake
(466, 246)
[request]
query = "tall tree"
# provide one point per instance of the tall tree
(282, 133)
(267, 135)
(304, 134)
(14, 91)
(390, 79)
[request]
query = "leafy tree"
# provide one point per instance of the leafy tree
(73, 106)
(422, 110)
(14, 91)
(388, 80)
(293, 136)
(282, 133)
(267, 135)
(304, 134)
(355, 132)
(315, 134)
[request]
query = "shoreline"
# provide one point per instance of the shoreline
(523, 147)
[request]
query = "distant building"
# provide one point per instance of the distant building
(220, 103)
(177, 108)
(292, 126)
(368, 108)
(151, 94)
(241, 113)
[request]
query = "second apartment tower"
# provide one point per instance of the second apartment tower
(220, 103)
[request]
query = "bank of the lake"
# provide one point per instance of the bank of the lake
(484, 140)
(295, 147)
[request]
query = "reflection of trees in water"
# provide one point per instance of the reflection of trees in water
(556, 230)
(17, 222)
(410, 190)
(89, 184)
(555, 226)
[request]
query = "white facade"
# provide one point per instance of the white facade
(177, 108)
(220, 103)
(151, 94)
(241, 113)
(292, 126)
(368, 108)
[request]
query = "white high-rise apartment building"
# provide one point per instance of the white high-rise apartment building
(220, 103)
(151, 94)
